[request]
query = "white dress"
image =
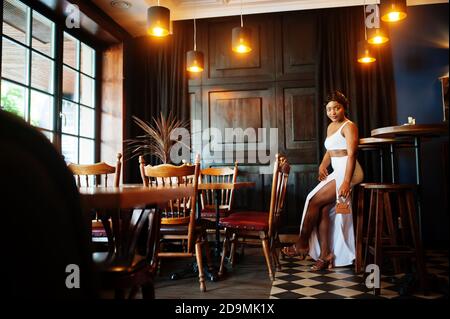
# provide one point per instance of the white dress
(342, 238)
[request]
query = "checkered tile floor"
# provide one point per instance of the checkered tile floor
(295, 281)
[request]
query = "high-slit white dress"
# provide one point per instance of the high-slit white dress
(342, 238)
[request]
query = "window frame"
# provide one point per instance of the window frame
(58, 65)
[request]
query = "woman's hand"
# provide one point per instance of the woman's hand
(344, 190)
(323, 173)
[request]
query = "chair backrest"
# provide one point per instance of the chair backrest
(96, 171)
(279, 184)
(218, 175)
(126, 227)
(182, 210)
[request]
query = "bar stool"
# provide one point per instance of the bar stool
(382, 145)
(381, 215)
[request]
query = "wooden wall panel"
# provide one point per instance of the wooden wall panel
(238, 107)
(300, 123)
(272, 87)
(298, 50)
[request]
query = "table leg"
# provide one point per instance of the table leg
(418, 182)
(381, 165)
(391, 148)
(217, 251)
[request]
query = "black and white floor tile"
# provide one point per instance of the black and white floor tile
(296, 281)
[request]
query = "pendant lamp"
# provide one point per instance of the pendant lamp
(194, 58)
(158, 21)
(377, 36)
(393, 10)
(241, 38)
(364, 53)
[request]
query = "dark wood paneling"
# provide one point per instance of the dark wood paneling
(272, 87)
(298, 50)
(250, 106)
(300, 123)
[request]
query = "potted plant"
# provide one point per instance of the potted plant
(158, 139)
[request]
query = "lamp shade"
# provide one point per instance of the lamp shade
(241, 37)
(195, 61)
(377, 36)
(158, 21)
(393, 10)
(364, 53)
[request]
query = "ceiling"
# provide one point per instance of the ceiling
(133, 19)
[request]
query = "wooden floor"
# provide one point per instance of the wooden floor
(248, 280)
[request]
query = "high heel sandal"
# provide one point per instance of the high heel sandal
(321, 264)
(293, 251)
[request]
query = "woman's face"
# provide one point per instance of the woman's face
(335, 111)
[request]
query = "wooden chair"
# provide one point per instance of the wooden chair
(207, 197)
(178, 220)
(260, 225)
(97, 175)
(121, 267)
(96, 171)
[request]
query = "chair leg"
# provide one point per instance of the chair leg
(233, 250)
(224, 252)
(378, 229)
(420, 261)
(265, 244)
(201, 274)
(359, 231)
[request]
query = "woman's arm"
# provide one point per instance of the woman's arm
(323, 167)
(351, 136)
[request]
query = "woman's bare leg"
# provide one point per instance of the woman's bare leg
(324, 197)
(324, 231)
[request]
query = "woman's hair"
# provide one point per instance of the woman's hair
(338, 97)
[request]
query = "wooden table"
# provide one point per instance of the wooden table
(129, 196)
(217, 187)
(416, 132)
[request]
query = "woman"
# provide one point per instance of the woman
(326, 236)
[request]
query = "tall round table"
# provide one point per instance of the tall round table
(416, 132)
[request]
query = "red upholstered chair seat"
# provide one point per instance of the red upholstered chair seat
(211, 212)
(249, 220)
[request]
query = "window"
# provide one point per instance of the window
(78, 101)
(29, 83)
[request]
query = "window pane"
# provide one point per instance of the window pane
(41, 113)
(87, 123)
(69, 148)
(14, 99)
(70, 117)
(87, 60)
(43, 34)
(70, 84)
(16, 20)
(70, 53)
(14, 61)
(41, 73)
(86, 151)
(87, 91)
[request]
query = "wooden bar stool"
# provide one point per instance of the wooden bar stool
(362, 213)
(403, 218)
